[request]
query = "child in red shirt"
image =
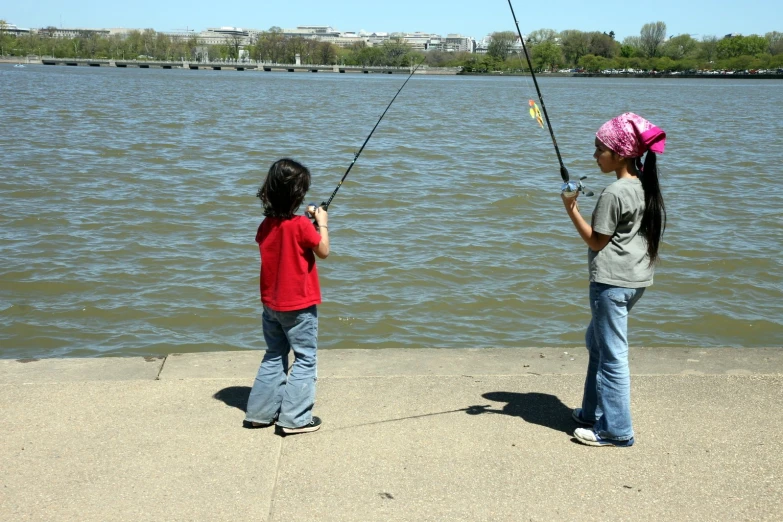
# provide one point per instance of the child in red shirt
(289, 292)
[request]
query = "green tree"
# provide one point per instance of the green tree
(234, 43)
(775, 42)
(592, 63)
(270, 46)
(679, 47)
(91, 44)
(4, 37)
(394, 50)
(574, 45)
(651, 37)
(370, 56)
(327, 54)
(626, 51)
(733, 46)
(663, 64)
(438, 58)
(741, 63)
(708, 48)
(500, 44)
(547, 55)
(603, 45)
(148, 41)
(540, 36)
(294, 46)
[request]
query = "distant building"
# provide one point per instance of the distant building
(346, 39)
(418, 41)
(453, 43)
(14, 30)
(482, 46)
(314, 32)
(223, 35)
(61, 32)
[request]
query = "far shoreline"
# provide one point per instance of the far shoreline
(429, 71)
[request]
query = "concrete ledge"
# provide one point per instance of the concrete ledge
(393, 362)
(24, 371)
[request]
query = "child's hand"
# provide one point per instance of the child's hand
(321, 217)
(570, 202)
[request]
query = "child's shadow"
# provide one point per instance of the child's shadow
(537, 408)
(235, 396)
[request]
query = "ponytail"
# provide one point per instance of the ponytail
(654, 219)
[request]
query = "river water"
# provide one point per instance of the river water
(128, 208)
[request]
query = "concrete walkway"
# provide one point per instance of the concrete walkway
(407, 435)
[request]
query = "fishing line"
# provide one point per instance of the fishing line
(325, 204)
(569, 187)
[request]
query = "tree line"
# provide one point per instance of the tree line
(549, 50)
(651, 50)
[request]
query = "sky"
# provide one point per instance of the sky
(467, 17)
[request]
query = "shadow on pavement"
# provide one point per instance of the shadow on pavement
(536, 408)
(235, 396)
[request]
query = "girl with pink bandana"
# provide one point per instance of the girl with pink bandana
(622, 238)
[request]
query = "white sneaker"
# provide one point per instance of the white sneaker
(591, 438)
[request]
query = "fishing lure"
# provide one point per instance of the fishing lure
(535, 113)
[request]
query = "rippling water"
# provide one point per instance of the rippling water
(129, 212)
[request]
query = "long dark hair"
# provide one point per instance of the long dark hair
(284, 188)
(654, 219)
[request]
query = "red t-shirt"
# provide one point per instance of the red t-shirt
(289, 278)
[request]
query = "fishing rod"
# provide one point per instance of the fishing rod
(325, 205)
(570, 188)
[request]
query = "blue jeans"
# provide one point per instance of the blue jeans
(607, 395)
(290, 398)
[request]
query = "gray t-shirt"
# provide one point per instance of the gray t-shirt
(618, 213)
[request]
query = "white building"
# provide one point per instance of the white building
(453, 43)
(223, 35)
(482, 45)
(315, 32)
(14, 30)
(61, 32)
(346, 39)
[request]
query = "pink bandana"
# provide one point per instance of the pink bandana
(630, 136)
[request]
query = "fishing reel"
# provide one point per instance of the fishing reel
(571, 188)
(310, 209)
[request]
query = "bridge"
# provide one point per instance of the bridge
(239, 66)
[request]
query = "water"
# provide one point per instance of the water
(128, 211)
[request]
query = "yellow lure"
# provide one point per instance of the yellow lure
(535, 113)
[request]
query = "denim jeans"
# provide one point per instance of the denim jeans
(289, 397)
(607, 394)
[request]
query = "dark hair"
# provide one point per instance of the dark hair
(654, 218)
(284, 188)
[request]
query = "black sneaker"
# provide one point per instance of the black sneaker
(256, 425)
(253, 425)
(314, 425)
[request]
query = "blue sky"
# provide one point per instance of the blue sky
(470, 18)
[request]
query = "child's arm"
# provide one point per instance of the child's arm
(322, 219)
(595, 241)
